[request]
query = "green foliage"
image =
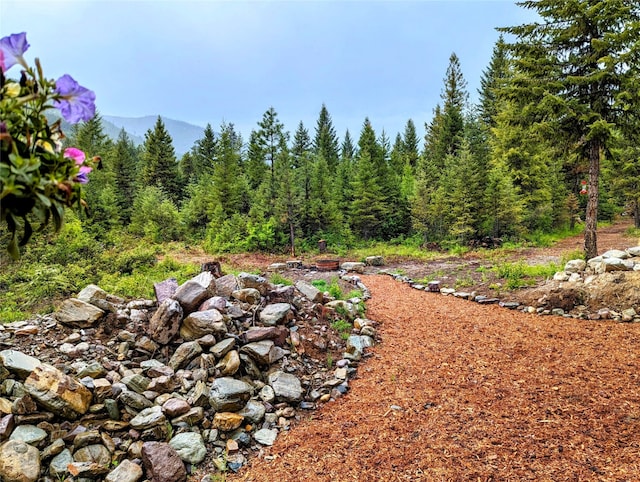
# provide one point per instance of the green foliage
(158, 164)
(521, 274)
(155, 216)
(278, 279)
(343, 328)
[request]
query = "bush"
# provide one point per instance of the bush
(155, 216)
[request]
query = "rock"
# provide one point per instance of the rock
(223, 347)
(175, 407)
(7, 424)
(309, 291)
(86, 470)
(286, 386)
(374, 261)
(275, 313)
(147, 418)
(192, 293)
(18, 363)
(201, 323)
(136, 382)
(633, 251)
(248, 295)
(265, 436)
(278, 334)
(254, 411)
(248, 280)
(227, 421)
(29, 434)
(165, 289)
(162, 462)
(189, 446)
(263, 352)
(215, 302)
(59, 463)
(134, 400)
(277, 267)
(19, 462)
(561, 276)
(355, 267)
(628, 314)
(267, 394)
(58, 392)
(165, 322)
(96, 453)
(126, 471)
(78, 313)
(228, 394)
(575, 278)
(226, 285)
(185, 353)
(357, 343)
(615, 253)
(230, 364)
(575, 266)
(343, 308)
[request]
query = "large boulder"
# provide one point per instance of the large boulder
(275, 313)
(58, 392)
(78, 313)
(309, 291)
(18, 362)
(19, 462)
(162, 463)
(286, 386)
(248, 280)
(229, 395)
(201, 323)
(165, 322)
(191, 294)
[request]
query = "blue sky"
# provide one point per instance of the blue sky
(209, 61)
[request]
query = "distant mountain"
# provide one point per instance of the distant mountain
(183, 134)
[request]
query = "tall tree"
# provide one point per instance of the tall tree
(410, 143)
(325, 142)
(492, 82)
(576, 60)
(201, 159)
(159, 166)
(124, 165)
(272, 139)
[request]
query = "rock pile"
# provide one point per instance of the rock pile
(212, 370)
(580, 291)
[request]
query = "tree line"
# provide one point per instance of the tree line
(552, 140)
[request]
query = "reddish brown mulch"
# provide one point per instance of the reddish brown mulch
(458, 391)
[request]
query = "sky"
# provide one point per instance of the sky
(213, 61)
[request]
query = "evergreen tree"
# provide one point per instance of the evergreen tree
(454, 98)
(325, 143)
(272, 139)
(228, 186)
(410, 141)
(302, 159)
(289, 196)
(492, 82)
(159, 166)
(255, 167)
(348, 150)
(124, 165)
(201, 160)
(575, 61)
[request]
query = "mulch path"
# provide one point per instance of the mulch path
(459, 391)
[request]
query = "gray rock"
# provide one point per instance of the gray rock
(575, 266)
(309, 291)
(267, 394)
(628, 314)
(277, 267)
(147, 418)
(248, 280)
(136, 382)
(57, 392)
(134, 400)
(254, 411)
(185, 353)
(286, 386)
(575, 278)
(78, 313)
(162, 462)
(263, 352)
(343, 308)
(275, 313)
(201, 323)
(561, 276)
(217, 302)
(165, 322)
(633, 251)
(615, 253)
(223, 347)
(228, 394)
(18, 363)
(29, 434)
(248, 295)
(7, 423)
(189, 446)
(356, 267)
(226, 285)
(374, 261)
(265, 436)
(358, 343)
(192, 293)
(126, 471)
(99, 298)
(19, 462)
(58, 465)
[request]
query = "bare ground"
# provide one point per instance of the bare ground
(457, 391)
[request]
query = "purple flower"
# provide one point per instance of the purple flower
(83, 175)
(77, 102)
(12, 48)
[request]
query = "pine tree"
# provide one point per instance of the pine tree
(227, 183)
(124, 166)
(454, 98)
(575, 61)
(255, 168)
(325, 143)
(410, 141)
(492, 82)
(201, 159)
(303, 159)
(272, 139)
(159, 166)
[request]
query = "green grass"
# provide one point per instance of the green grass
(333, 287)
(521, 274)
(343, 328)
(278, 279)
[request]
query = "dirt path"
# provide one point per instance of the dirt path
(459, 391)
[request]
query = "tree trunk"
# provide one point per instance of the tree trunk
(636, 213)
(591, 218)
(292, 235)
